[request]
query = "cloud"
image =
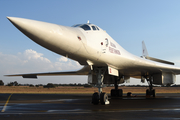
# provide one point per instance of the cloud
(64, 63)
(64, 59)
(32, 61)
(33, 55)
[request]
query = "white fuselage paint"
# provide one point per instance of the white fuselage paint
(95, 46)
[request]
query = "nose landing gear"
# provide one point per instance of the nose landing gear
(101, 96)
(103, 99)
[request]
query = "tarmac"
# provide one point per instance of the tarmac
(79, 107)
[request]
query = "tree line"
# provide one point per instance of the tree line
(49, 85)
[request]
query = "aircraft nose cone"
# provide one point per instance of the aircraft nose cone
(12, 19)
(39, 32)
(31, 27)
(21, 23)
(9, 18)
(51, 36)
(45, 34)
(17, 22)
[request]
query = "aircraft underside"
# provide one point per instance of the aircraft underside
(99, 77)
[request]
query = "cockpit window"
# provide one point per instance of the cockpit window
(85, 27)
(97, 28)
(93, 27)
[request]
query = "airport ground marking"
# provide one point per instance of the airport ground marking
(4, 108)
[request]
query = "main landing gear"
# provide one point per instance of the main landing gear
(116, 92)
(100, 96)
(150, 92)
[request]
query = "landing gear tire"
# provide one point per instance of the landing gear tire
(129, 94)
(95, 98)
(116, 93)
(104, 99)
(147, 92)
(150, 93)
(113, 93)
(154, 93)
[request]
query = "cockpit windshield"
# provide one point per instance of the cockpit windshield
(86, 26)
(93, 27)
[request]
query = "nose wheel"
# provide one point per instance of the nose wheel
(95, 98)
(103, 98)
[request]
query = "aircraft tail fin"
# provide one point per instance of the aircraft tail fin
(146, 56)
(144, 50)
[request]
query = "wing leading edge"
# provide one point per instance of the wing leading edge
(84, 71)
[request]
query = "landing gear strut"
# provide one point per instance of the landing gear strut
(116, 92)
(102, 97)
(150, 92)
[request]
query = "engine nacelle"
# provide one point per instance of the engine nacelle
(164, 79)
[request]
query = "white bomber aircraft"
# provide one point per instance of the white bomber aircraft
(104, 60)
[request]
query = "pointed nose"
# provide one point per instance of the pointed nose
(51, 36)
(34, 29)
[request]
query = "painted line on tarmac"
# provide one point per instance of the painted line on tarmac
(4, 108)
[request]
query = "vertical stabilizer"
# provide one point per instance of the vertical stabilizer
(144, 50)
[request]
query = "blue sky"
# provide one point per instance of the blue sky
(157, 22)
